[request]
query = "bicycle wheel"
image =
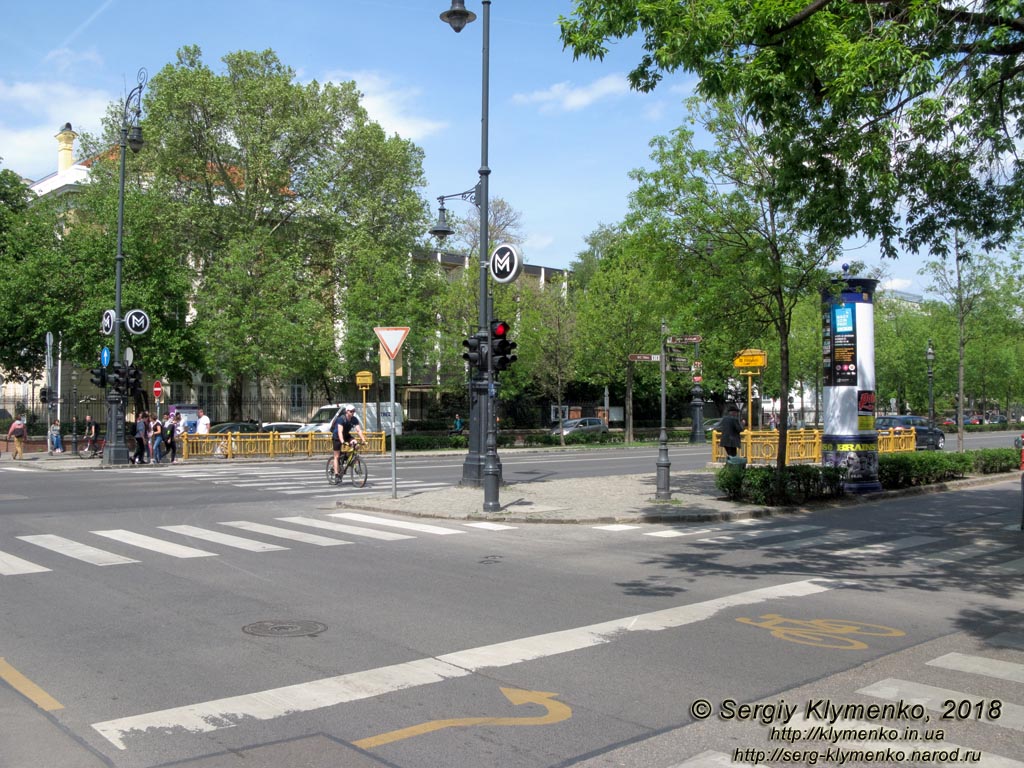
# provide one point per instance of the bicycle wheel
(819, 639)
(358, 472)
(333, 479)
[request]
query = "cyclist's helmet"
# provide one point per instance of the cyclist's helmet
(349, 407)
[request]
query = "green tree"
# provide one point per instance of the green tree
(870, 109)
(746, 261)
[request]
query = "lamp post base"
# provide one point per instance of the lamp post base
(115, 451)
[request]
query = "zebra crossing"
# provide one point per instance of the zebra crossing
(985, 715)
(164, 539)
(292, 480)
(999, 556)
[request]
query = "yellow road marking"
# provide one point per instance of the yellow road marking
(556, 712)
(27, 688)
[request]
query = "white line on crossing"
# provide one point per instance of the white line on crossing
(352, 530)
(979, 665)
(78, 551)
(893, 689)
(886, 547)
(421, 527)
(15, 566)
(226, 539)
(154, 545)
(491, 526)
(286, 533)
(208, 716)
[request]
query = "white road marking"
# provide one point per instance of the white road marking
(1011, 565)
(226, 539)
(286, 533)
(208, 716)
(352, 530)
(491, 526)
(886, 547)
(78, 551)
(154, 545)
(979, 665)
(761, 533)
(963, 553)
(893, 689)
(420, 527)
(672, 532)
(615, 527)
(15, 566)
(836, 537)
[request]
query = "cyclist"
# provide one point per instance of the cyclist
(341, 432)
(91, 436)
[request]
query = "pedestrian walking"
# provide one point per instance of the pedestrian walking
(170, 436)
(158, 439)
(731, 427)
(19, 431)
(140, 439)
(203, 424)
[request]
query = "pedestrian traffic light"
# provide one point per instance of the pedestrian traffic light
(98, 376)
(119, 379)
(134, 379)
(44, 395)
(476, 352)
(501, 347)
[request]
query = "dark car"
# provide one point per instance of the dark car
(927, 435)
(579, 426)
(234, 426)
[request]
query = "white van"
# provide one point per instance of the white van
(321, 420)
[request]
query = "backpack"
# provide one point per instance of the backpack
(169, 432)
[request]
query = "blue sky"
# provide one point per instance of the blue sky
(564, 134)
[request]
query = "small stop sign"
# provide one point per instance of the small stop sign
(158, 389)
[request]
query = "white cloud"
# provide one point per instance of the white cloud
(566, 97)
(897, 284)
(31, 114)
(389, 104)
(67, 60)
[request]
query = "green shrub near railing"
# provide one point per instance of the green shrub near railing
(803, 482)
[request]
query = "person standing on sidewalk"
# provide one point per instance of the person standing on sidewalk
(203, 423)
(731, 427)
(140, 439)
(19, 431)
(56, 446)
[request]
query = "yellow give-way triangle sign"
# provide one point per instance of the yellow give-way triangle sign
(391, 339)
(556, 712)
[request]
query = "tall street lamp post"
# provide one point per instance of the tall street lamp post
(929, 355)
(475, 471)
(115, 451)
(74, 412)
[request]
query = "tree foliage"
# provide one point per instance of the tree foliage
(896, 118)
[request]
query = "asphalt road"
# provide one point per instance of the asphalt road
(412, 647)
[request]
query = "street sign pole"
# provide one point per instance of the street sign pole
(663, 492)
(391, 339)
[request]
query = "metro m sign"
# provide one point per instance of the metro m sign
(506, 263)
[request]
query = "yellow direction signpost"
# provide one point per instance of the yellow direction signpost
(751, 361)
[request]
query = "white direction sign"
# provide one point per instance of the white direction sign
(506, 263)
(136, 322)
(107, 324)
(391, 339)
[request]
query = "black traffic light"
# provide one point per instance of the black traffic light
(501, 347)
(98, 376)
(134, 379)
(476, 352)
(44, 395)
(119, 379)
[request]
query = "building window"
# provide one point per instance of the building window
(206, 394)
(297, 395)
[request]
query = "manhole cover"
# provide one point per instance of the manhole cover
(285, 628)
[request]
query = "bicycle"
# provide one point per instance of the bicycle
(822, 633)
(352, 465)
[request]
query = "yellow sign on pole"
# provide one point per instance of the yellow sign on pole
(364, 379)
(751, 358)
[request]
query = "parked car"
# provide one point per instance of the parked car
(927, 435)
(710, 425)
(579, 426)
(281, 426)
(234, 426)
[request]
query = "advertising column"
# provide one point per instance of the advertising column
(848, 351)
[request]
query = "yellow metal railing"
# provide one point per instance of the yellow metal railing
(802, 445)
(230, 445)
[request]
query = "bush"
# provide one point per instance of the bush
(988, 461)
(800, 483)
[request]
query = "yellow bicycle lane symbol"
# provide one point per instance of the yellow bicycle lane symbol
(822, 633)
(556, 712)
